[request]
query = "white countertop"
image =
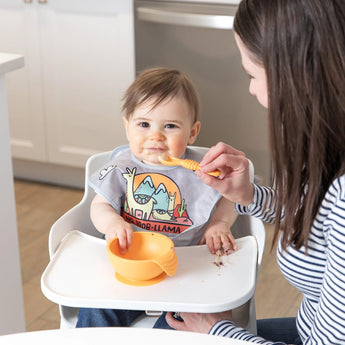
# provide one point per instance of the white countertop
(10, 62)
(116, 335)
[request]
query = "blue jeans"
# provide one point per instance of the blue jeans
(279, 329)
(92, 317)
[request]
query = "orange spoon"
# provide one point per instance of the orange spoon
(186, 163)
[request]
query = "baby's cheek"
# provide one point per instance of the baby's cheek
(179, 148)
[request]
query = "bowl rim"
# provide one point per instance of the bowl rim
(137, 260)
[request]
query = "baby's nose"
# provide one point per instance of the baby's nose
(157, 135)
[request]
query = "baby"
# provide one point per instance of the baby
(136, 192)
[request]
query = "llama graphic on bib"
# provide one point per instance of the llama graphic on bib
(154, 202)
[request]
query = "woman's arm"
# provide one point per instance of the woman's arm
(234, 182)
(262, 206)
(327, 307)
(215, 324)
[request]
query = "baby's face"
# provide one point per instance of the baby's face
(164, 130)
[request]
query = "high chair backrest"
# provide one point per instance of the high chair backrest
(78, 217)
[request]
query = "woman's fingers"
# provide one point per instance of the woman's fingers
(197, 322)
(217, 150)
(174, 323)
(228, 164)
(234, 182)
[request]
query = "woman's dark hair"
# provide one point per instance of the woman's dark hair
(301, 45)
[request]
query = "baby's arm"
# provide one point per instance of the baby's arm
(110, 223)
(218, 236)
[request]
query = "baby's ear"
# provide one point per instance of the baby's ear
(125, 123)
(194, 132)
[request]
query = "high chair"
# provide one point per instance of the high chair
(78, 218)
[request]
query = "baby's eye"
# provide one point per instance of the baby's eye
(144, 124)
(170, 125)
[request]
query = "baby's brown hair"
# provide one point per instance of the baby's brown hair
(160, 83)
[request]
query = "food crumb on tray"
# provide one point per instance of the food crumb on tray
(219, 262)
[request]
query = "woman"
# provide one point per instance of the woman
(294, 53)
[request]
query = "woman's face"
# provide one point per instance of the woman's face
(257, 74)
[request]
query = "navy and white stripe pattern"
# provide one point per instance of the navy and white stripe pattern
(319, 274)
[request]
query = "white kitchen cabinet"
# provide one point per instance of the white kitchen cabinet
(79, 59)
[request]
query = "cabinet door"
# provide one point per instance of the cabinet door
(87, 62)
(18, 27)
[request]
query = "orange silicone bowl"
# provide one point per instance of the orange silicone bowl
(150, 257)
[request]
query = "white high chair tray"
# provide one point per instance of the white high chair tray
(80, 275)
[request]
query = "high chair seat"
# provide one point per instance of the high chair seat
(80, 275)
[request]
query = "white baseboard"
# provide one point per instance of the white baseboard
(49, 173)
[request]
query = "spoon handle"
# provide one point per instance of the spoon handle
(186, 163)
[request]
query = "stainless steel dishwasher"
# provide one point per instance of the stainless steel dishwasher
(197, 38)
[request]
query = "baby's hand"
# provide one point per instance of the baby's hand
(123, 231)
(219, 237)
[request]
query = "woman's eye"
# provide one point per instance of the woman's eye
(144, 124)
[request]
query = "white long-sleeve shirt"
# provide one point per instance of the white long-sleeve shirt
(319, 274)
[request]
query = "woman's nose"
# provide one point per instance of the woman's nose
(251, 88)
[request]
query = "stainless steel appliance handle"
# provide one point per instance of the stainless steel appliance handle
(211, 21)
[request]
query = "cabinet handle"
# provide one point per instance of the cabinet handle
(28, 1)
(42, 1)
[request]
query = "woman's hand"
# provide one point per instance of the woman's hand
(197, 322)
(233, 182)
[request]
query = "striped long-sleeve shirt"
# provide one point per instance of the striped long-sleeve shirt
(319, 274)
